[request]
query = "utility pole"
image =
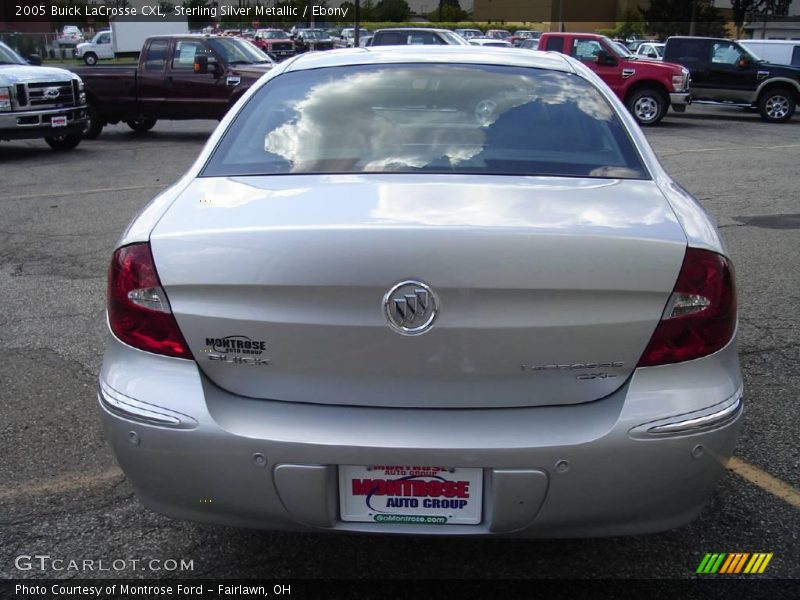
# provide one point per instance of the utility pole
(693, 22)
(561, 16)
(357, 32)
(440, 11)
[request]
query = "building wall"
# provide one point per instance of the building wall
(579, 15)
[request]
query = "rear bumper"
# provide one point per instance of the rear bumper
(193, 451)
(35, 124)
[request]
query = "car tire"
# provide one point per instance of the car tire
(648, 105)
(141, 124)
(90, 58)
(777, 104)
(64, 142)
(95, 126)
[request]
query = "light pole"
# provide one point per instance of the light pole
(561, 16)
(357, 32)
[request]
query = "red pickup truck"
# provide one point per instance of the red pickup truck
(178, 77)
(647, 87)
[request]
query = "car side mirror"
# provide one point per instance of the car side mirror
(219, 71)
(604, 59)
(200, 64)
(743, 63)
(35, 60)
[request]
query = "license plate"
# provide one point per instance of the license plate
(411, 495)
(58, 121)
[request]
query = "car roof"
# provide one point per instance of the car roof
(553, 61)
(698, 38)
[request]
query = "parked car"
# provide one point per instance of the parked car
(40, 102)
(424, 256)
(524, 34)
(306, 40)
(726, 73)
(125, 39)
(468, 33)
(348, 35)
(410, 36)
(654, 50)
(191, 76)
(633, 45)
(530, 44)
(490, 42)
(777, 52)
(498, 34)
(274, 42)
(70, 36)
(648, 88)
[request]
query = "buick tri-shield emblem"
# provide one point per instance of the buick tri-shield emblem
(410, 307)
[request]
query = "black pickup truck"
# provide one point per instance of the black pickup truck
(178, 77)
(726, 73)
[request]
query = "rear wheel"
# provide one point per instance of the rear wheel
(141, 124)
(777, 104)
(90, 58)
(64, 142)
(648, 105)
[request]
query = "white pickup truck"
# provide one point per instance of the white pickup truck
(40, 102)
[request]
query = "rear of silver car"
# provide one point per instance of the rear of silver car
(374, 306)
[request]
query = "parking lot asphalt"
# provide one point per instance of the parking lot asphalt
(62, 495)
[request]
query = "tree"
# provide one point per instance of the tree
(758, 10)
(674, 17)
(392, 10)
(631, 26)
(350, 7)
(449, 13)
(198, 21)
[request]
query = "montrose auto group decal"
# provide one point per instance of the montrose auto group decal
(403, 494)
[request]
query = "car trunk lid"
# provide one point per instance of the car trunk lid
(548, 288)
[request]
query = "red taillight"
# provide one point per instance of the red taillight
(700, 317)
(138, 309)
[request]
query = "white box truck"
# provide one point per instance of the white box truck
(126, 38)
(778, 52)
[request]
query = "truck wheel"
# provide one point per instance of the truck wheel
(647, 105)
(90, 58)
(95, 125)
(777, 104)
(64, 142)
(141, 124)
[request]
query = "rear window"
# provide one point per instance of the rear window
(427, 118)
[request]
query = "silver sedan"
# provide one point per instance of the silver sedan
(424, 290)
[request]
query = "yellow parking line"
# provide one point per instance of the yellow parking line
(765, 481)
(64, 484)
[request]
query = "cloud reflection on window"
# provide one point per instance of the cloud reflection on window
(438, 117)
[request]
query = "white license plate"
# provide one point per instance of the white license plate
(58, 121)
(411, 495)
